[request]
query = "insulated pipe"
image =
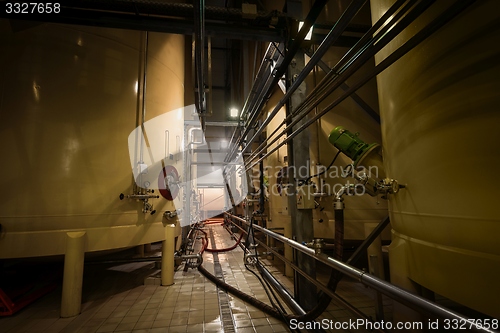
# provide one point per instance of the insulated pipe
(428, 30)
(413, 301)
(259, 90)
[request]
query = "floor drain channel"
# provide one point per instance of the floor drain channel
(226, 315)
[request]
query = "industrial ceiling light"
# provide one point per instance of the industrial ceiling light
(233, 112)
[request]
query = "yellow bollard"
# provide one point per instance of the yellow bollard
(71, 302)
(167, 256)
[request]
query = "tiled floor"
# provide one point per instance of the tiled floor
(115, 299)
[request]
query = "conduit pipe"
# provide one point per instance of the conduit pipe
(428, 30)
(413, 301)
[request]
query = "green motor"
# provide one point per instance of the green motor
(350, 144)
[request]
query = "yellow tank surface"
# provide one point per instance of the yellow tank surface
(68, 104)
(440, 130)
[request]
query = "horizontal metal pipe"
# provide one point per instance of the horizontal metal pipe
(292, 50)
(413, 301)
(322, 287)
(285, 295)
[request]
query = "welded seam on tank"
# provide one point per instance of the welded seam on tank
(226, 315)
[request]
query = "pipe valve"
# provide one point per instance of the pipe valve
(318, 244)
(147, 207)
(171, 214)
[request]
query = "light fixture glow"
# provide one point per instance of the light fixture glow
(309, 34)
(233, 113)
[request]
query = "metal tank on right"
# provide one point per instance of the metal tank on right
(440, 111)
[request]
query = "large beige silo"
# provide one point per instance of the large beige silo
(440, 129)
(68, 105)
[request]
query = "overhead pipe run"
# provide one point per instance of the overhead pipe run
(308, 22)
(184, 10)
(259, 88)
(390, 14)
(162, 16)
(355, 97)
(428, 30)
(358, 49)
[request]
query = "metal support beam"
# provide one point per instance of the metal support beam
(355, 97)
(302, 226)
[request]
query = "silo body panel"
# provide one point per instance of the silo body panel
(69, 102)
(440, 130)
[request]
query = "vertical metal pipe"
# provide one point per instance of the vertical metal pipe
(210, 90)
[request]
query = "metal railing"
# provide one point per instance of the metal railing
(402, 296)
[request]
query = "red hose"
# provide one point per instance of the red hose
(204, 241)
(227, 249)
